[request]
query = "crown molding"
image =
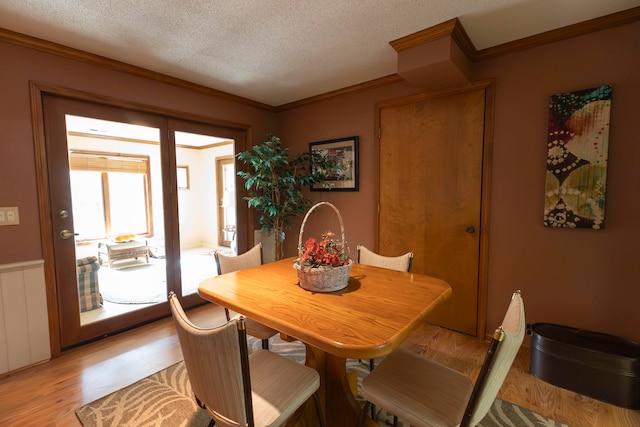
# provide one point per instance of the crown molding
(112, 64)
(452, 28)
(597, 24)
(382, 81)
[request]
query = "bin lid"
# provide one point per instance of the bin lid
(594, 341)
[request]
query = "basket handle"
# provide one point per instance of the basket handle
(306, 217)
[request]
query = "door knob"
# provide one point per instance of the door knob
(66, 234)
(471, 229)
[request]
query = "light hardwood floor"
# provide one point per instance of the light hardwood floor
(49, 393)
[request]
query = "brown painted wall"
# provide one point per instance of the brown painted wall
(582, 278)
(17, 165)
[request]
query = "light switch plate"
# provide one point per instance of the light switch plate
(9, 216)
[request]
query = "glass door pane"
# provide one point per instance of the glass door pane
(117, 210)
(198, 202)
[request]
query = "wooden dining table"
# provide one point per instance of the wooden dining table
(371, 317)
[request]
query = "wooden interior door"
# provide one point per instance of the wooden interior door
(431, 174)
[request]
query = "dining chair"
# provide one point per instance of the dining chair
(424, 392)
(399, 263)
(236, 388)
(228, 264)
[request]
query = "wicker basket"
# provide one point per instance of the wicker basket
(322, 279)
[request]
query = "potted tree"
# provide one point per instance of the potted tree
(275, 184)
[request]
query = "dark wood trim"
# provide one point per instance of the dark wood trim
(485, 209)
(44, 211)
(431, 94)
(451, 28)
(360, 87)
(597, 24)
(454, 29)
(112, 64)
(64, 92)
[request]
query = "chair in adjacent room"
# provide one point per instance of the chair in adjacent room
(237, 389)
(399, 263)
(228, 264)
(88, 287)
(425, 393)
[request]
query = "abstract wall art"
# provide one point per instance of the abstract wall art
(577, 148)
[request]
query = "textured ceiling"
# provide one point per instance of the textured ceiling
(280, 51)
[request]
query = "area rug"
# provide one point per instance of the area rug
(137, 282)
(164, 399)
(134, 282)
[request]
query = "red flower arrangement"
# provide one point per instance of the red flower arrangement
(324, 254)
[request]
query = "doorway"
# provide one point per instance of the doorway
(226, 194)
(121, 200)
(433, 175)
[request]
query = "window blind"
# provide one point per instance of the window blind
(101, 162)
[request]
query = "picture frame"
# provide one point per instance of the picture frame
(182, 174)
(344, 151)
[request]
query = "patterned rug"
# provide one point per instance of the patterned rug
(165, 399)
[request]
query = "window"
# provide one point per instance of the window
(88, 205)
(110, 194)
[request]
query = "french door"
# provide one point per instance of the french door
(129, 201)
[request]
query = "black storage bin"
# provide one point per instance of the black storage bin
(601, 366)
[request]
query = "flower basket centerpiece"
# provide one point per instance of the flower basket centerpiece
(323, 266)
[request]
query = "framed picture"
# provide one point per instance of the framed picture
(182, 173)
(342, 154)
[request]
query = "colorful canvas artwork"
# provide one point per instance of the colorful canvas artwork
(577, 149)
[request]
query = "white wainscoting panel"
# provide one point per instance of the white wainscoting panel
(24, 322)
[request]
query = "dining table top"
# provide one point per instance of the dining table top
(369, 318)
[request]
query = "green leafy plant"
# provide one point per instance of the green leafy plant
(275, 184)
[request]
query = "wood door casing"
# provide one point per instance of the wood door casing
(221, 162)
(430, 192)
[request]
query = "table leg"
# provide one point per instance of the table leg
(341, 409)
